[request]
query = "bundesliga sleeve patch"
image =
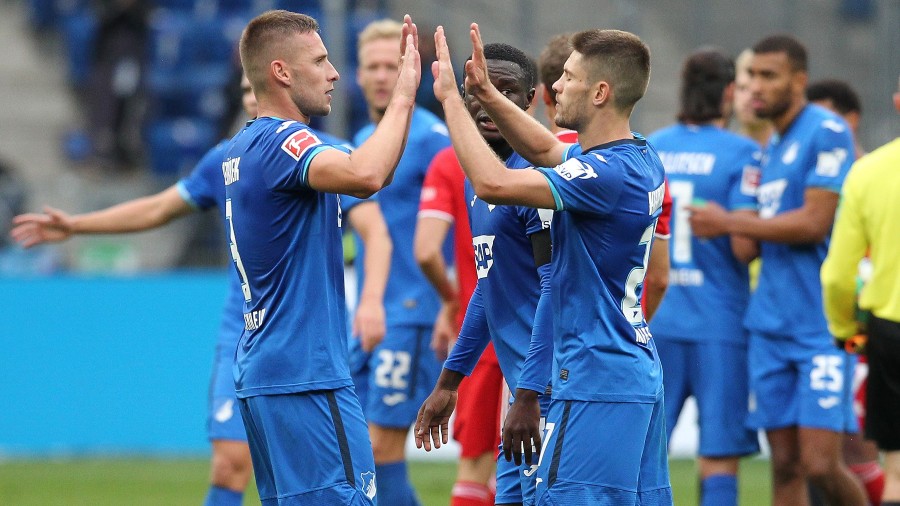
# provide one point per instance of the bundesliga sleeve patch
(750, 180)
(299, 143)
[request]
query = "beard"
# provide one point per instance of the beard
(776, 109)
(568, 118)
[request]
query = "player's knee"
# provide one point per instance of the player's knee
(820, 468)
(786, 468)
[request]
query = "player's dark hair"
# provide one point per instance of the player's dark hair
(619, 58)
(263, 34)
(552, 60)
(841, 95)
(795, 51)
(514, 55)
(704, 76)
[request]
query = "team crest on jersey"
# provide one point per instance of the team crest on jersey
(750, 180)
(299, 143)
(484, 254)
(790, 154)
(368, 484)
(574, 168)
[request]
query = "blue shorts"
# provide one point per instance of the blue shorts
(604, 453)
(310, 448)
(803, 382)
(398, 376)
(224, 419)
(715, 373)
(516, 484)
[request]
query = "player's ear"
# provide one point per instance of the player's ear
(281, 72)
(602, 94)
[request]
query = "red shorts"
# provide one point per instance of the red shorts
(477, 423)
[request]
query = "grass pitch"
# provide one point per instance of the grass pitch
(140, 482)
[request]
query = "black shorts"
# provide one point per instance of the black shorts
(883, 389)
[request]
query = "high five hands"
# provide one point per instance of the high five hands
(476, 79)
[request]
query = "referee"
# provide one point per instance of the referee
(869, 220)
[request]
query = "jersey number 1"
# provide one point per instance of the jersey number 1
(232, 242)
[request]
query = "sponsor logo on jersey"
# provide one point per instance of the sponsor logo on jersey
(750, 180)
(546, 217)
(484, 254)
(768, 195)
(829, 162)
(254, 319)
(574, 168)
(231, 171)
(829, 402)
(368, 484)
(790, 154)
(225, 411)
(299, 143)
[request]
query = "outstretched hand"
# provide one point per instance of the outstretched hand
(34, 228)
(410, 63)
(477, 79)
(442, 69)
(433, 420)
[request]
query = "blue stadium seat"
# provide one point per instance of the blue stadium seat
(176, 145)
(182, 5)
(187, 54)
(79, 33)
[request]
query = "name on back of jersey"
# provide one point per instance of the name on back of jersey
(231, 170)
(254, 319)
(700, 164)
(656, 198)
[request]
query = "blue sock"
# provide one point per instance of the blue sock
(393, 487)
(218, 496)
(719, 490)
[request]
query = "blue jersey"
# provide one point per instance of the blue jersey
(203, 189)
(608, 200)
(708, 287)
(285, 241)
(408, 297)
(816, 151)
(508, 282)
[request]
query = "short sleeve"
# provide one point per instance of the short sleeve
(441, 187)
(833, 156)
(204, 184)
(664, 224)
(578, 187)
(297, 149)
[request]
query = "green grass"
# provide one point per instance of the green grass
(137, 482)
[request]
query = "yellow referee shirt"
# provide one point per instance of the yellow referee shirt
(868, 219)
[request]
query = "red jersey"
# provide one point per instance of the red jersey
(444, 197)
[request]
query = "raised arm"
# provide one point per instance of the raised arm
(371, 166)
(136, 215)
(492, 181)
(525, 134)
(369, 320)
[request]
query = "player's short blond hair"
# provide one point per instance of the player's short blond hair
(377, 30)
(263, 41)
(742, 63)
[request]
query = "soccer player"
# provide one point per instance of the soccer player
(799, 382)
(550, 67)
(307, 433)
(748, 123)
(860, 454)
(231, 465)
(401, 371)
(512, 254)
(605, 428)
(698, 328)
(867, 222)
